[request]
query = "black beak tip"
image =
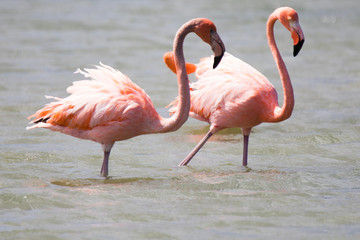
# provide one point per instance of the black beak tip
(217, 60)
(298, 47)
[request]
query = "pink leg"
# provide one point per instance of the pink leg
(105, 165)
(246, 134)
(196, 149)
(245, 151)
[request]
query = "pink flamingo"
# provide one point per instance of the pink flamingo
(244, 97)
(110, 107)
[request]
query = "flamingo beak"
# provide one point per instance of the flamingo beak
(218, 48)
(297, 35)
(217, 60)
(298, 46)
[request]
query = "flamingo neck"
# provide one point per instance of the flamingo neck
(181, 115)
(285, 111)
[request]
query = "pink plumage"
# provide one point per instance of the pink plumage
(109, 107)
(109, 101)
(232, 101)
(236, 94)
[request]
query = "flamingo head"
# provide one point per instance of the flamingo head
(206, 30)
(290, 19)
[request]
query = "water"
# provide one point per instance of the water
(304, 176)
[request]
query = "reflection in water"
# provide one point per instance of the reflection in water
(186, 175)
(93, 182)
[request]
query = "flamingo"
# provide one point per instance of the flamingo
(244, 97)
(109, 107)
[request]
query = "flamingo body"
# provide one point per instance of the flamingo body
(237, 95)
(109, 107)
(243, 98)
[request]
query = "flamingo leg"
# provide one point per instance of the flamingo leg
(245, 151)
(196, 149)
(105, 165)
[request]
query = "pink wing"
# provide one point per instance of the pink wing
(233, 83)
(108, 96)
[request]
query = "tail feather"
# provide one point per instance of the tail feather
(169, 60)
(41, 120)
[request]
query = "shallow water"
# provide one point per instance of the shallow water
(303, 179)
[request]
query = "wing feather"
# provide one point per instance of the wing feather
(221, 87)
(105, 97)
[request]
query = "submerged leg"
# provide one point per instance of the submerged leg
(105, 165)
(196, 149)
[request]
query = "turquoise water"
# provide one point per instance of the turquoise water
(303, 180)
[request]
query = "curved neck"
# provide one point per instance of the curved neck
(285, 111)
(181, 115)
